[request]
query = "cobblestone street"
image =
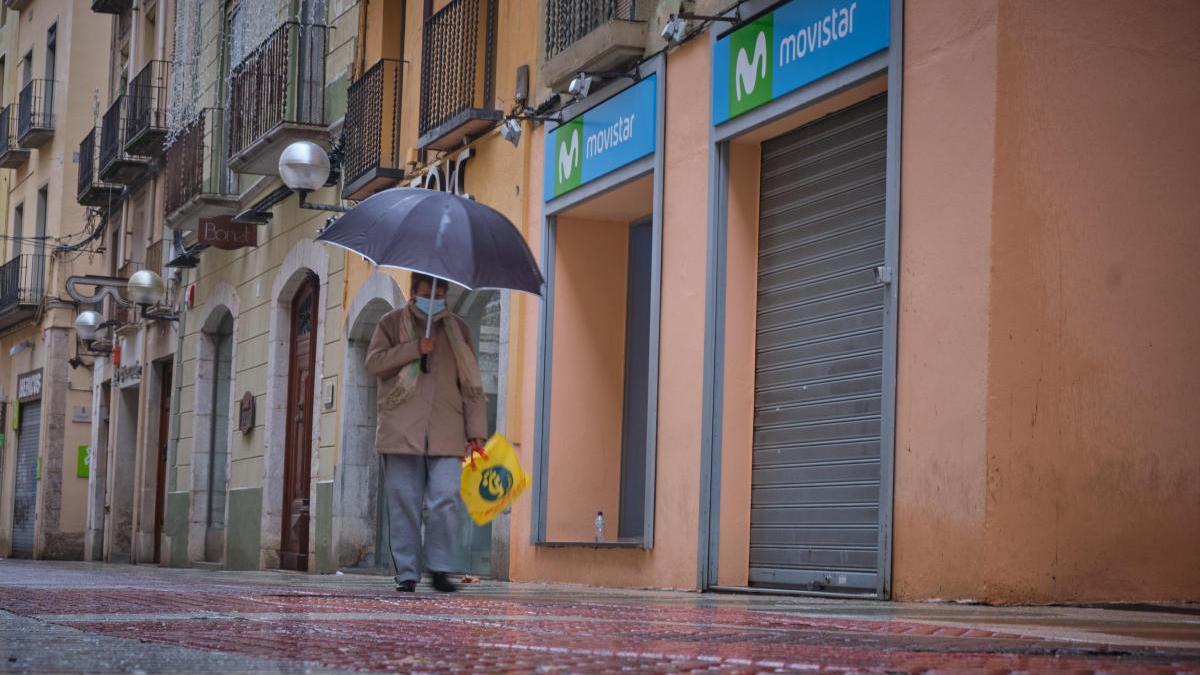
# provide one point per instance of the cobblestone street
(78, 616)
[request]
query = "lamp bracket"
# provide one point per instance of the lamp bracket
(103, 285)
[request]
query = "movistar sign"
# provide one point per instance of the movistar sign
(801, 41)
(601, 140)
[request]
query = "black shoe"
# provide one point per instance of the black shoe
(409, 586)
(442, 583)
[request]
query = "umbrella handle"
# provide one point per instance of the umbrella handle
(428, 326)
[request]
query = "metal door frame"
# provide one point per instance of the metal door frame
(889, 62)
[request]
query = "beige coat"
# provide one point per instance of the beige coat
(437, 412)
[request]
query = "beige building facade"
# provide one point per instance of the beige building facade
(51, 62)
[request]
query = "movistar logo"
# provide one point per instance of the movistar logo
(568, 157)
(751, 69)
(747, 72)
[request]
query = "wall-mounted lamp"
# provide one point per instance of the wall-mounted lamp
(146, 290)
(88, 326)
(304, 166)
(19, 347)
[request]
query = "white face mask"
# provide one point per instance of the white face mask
(430, 307)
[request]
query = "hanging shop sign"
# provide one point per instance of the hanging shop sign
(221, 232)
(603, 139)
(29, 386)
(798, 43)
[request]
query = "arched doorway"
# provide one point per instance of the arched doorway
(362, 534)
(298, 441)
(220, 341)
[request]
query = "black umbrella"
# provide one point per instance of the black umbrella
(443, 235)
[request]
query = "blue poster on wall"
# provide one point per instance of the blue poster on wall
(603, 139)
(798, 43)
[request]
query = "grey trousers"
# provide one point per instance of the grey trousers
(421, 490)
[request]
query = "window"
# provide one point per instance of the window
(600, 341)
(51, 50)
(39, 244)
(27, 68)
(3, 77)
(18, 229)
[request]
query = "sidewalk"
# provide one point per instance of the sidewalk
(72, 616)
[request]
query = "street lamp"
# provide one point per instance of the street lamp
(304, 167)
(88, 326)
(146, 289)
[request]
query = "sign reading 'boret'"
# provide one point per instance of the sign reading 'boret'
(222, 232)
(798, 43)
(601, 140)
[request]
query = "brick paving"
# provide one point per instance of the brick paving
(140, 618)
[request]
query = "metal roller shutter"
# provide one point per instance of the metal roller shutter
(816, 474)
(25, 498)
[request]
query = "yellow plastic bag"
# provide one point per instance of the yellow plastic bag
(491, 480)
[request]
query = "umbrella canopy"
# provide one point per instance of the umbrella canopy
(439, 234)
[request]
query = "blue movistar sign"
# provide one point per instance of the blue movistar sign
(798, 43)
(601, 140)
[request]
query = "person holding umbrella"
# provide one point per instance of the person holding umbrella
(432, 411)
(431, 404)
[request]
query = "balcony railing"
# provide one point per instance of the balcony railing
(22, 289)
(458, 66)
(111, 6)
(116, 164)
(278, 91)
(197, 179)
(592, 36)
(12, 155)
(35, 104)
(91, 191)
(146, 117)
(371, 133)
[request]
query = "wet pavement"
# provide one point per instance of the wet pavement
(98, 618)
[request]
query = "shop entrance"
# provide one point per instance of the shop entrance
(816, 473)
(25, 502)
(299, 415)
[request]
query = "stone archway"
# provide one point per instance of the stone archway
(306, 258)
(356, 477)
(214, 409)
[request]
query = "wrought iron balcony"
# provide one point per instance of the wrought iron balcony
(111, 6)
(146, 118)
(116, 164)
(592, 36)
(458, 74)
(198, 183)
(35, 106)
(12, 155)
(371, 133)
(22, 289)
(91, 191)
(278, 93)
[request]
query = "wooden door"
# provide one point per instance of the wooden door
(164, 427)
(297, 462)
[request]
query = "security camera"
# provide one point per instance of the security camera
(674, 30)
(510, 130)
(581, 85)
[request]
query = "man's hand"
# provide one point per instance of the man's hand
(425, 346)
(475, 445)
